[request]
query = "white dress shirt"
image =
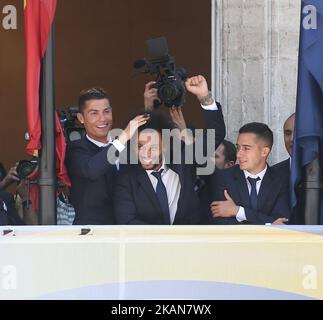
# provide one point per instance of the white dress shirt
(173, 187)
(241, 215)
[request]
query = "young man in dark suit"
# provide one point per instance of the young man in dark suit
(92, 161)
(155, 191)
(251, 192)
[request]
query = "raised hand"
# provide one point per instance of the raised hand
(132, 127)
(10, 178)
(198, 86)
(177, 117)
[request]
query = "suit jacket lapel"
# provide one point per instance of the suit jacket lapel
(178, 168)
(147, 187)
(242, 187)
(267, 186)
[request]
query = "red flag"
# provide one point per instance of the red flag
(39, 15)
(38, 19)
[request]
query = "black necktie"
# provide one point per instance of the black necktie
(253, 194)
(162, 196)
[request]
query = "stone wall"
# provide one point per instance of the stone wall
(257, 64)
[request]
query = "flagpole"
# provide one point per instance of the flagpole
(312, 193)
(47, 177)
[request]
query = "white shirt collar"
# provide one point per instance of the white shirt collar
(98, 143)
(259, 175)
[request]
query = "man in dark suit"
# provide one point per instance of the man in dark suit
(224, 157)
(297, 216)
(288, 129)
(251, 192)
(92, 161)
(156, 191)
(8, 213)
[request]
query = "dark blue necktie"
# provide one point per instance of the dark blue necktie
(253, 194)
(162, 196)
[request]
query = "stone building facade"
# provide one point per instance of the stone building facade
(255, 58)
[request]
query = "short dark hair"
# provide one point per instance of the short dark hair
(261, 130)
(230, 151)
(91, 94)
(158, 121)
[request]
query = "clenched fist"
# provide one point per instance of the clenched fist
(198, 86)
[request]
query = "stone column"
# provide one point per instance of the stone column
(257, 64)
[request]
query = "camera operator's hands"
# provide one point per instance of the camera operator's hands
(177, 117)
(22, 190)
(132, 127)
(10, 178)
(198, 86)
(150, 95)
(29, 214)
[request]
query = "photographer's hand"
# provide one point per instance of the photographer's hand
(10, 178)
(29, 214)
(22, 190)
(179, 121)
(198, 86)
(177, 117)
(150, 95)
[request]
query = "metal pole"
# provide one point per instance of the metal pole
(47, 179)
(312, 193)
(216, 48)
